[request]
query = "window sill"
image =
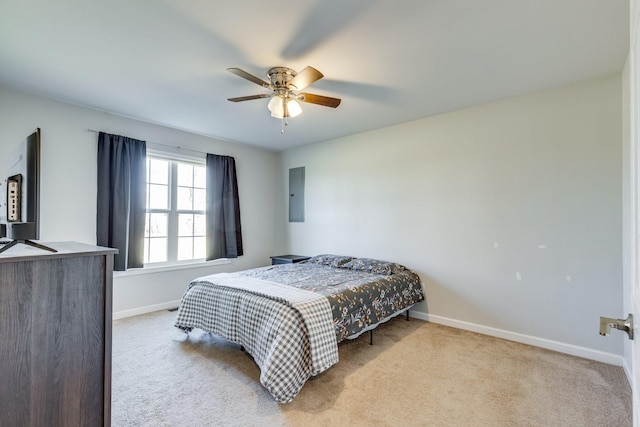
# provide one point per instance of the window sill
(171, 267)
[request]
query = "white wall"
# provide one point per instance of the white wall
(68, 191)
(510, 212)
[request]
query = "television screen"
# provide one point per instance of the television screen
(20, 195)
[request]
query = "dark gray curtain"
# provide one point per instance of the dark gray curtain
(122, 194)
(224, 234)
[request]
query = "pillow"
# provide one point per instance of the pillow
(374, 266)
(330, 260)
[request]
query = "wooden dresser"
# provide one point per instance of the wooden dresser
(55, 335)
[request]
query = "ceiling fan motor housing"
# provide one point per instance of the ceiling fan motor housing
(280, 76)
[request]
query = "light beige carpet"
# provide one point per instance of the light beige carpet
(415, 374)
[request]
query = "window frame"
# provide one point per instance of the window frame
(173, 212)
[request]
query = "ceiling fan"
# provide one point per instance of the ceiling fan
(285, 86)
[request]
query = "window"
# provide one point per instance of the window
(176, 211)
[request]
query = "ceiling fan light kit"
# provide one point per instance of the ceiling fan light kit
(281, 107)
(285, 86)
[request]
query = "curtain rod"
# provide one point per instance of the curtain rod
(162, 145)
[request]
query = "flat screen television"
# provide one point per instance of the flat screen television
(20, 195)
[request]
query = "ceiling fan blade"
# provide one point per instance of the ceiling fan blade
(249, 98)
(305, 78)
(319, 99)
(241, 73)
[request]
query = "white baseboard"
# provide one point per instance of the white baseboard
(627, 371)
(144, 310)
(587, 353)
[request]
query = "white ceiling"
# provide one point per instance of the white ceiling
(165, 61)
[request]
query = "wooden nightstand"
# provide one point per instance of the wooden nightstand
(288, 259)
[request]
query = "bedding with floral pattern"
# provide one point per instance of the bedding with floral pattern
(329, 260)
(360, 293)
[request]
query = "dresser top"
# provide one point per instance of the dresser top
(23, 252)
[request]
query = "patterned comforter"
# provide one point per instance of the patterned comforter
(290, 317)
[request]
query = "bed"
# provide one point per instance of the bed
(291, 317)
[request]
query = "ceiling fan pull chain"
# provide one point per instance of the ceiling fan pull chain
(285, 122)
